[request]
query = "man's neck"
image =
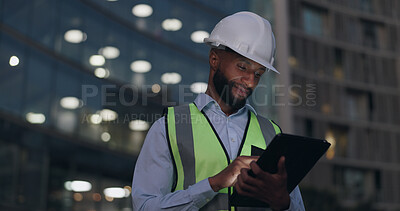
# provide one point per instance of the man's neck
(228, 110)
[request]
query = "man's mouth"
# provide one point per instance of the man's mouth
(241, 90)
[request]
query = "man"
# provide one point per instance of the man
(193, 156)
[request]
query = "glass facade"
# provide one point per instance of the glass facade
(81, 81)
(349, 51)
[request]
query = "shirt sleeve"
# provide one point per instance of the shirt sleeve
(296, 202)
(154, 174)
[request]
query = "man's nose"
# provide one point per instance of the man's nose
(249, 80)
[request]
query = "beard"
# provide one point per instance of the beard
(224, 90)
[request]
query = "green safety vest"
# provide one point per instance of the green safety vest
(198, 152)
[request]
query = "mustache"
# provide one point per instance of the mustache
(238, 85)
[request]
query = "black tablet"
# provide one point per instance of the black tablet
(301, 153)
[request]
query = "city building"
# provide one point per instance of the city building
(344, 64)
(81, 81)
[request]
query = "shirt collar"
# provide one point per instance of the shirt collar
(202, 100)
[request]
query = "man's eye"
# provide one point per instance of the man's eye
(242, 67)
(257, 74)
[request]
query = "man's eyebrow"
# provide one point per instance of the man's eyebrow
(244, 60)
(247, 62)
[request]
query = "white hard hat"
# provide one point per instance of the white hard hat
(247, 34)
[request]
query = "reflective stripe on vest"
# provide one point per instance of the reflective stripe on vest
(198, 152)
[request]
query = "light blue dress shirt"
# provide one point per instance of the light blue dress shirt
(154, 173)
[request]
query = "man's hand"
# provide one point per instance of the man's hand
(227, 177)
(270, 188)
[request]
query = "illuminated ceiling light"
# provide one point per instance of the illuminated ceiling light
(96, 119)
(292, 61)
(114, 192)
(105, 137)
(35, 118)
(127, 190)
(70, 102)
(142, 10)
(172, 24)
(77, 196)
(67, 185)
(96, 197)
(171, 78)
(109, 52)
(139, 125)
(97, 60)
(198, 87)
(198, 36)
(14, 61)
(156, 88)
(108, 115)
(109, 199)
(75, 36)
(330, 154)
(81, 186)
(326, 108)
(101, 72)
(141, 66)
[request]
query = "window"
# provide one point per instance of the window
(10, 76)
(23, 172)
(314, 21)
(374, 34)
(338, 71)
(338, 137)
(38, 86)
(366, 6)
(359, 104)
(356, 184)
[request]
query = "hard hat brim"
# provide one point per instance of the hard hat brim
(214, 44)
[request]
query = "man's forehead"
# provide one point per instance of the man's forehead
(232, 55)
(250, 62)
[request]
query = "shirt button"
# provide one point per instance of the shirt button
(232, 139)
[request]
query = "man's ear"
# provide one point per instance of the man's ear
(213, 59)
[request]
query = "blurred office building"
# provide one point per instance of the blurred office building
(343, 59)
(81, 82)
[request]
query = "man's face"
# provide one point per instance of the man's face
(236, 78)
(224, 89)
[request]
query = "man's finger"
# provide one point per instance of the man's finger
(244, 174)
(248, 159)
(243, 187)
(258, 171)
(282, 166)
